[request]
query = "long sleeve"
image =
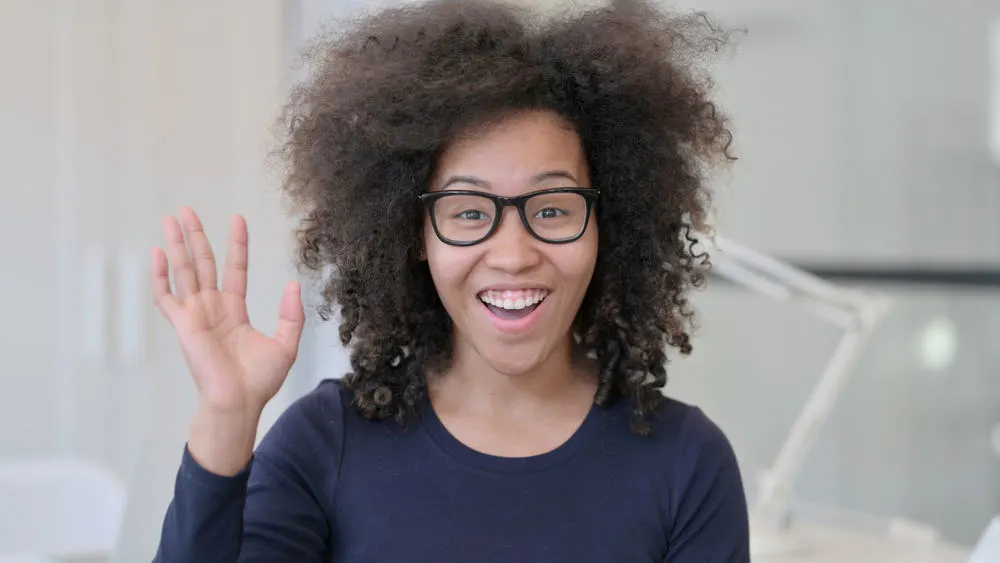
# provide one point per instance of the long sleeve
(709, 507)
(274, 509)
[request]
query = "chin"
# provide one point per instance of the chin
(512, 361)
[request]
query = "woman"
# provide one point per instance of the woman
(505, 205)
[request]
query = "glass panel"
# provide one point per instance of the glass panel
(915, 431)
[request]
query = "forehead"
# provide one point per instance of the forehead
(509, 155)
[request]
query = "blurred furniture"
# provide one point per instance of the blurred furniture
(777, 535)
(58, 510)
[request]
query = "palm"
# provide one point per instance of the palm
(235, 366)
(235, 361)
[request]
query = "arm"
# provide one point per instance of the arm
(710, 522)
(271, 510)
(230, 505)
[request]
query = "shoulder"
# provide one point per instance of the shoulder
(321, 411)
(308, 436)
(703, 496)
(691, 430)
(684, 442)
(681, 432)
(691, 441)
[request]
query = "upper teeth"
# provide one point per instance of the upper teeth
(513, 299)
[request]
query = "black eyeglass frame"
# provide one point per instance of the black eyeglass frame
(590, 196)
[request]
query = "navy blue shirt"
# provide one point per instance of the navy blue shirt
(326, 485)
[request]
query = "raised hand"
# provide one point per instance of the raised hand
(236, 368)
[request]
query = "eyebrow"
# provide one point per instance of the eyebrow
(549, 174)
(467, 180)
(536, 179)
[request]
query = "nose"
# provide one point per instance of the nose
(512, 249)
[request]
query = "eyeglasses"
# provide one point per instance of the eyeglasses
(554, 216)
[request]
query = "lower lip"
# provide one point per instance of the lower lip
(515, 326)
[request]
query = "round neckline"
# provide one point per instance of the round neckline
(527, 464)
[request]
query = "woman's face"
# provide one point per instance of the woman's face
(512, 297)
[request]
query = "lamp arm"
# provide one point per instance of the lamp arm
(771, 508)
(857, 312)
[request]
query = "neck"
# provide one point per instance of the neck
(472, 385)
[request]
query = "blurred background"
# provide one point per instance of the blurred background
(864, 134)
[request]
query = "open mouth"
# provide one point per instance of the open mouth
(513, 304)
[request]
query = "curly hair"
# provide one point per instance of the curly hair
(387, 94)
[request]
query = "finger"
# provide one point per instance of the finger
(201, 250)
(291, 318)
(162, 296)
(234, 276)
(185, 280)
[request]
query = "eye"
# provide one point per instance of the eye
(471, 215)
(550, 213)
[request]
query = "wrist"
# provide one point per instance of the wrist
(222, 442)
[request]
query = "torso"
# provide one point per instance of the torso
(411, 494)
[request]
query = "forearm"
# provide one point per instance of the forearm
(249, 506)
(205, 519)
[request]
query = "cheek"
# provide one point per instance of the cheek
(450, 267)
(584, 259)
(576, 262)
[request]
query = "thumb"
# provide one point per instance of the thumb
(291, 318)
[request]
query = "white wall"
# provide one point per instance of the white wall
(861, 127)
(32, 295)
(112, 114)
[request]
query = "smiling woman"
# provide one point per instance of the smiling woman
(507, 207)
(518, 230)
